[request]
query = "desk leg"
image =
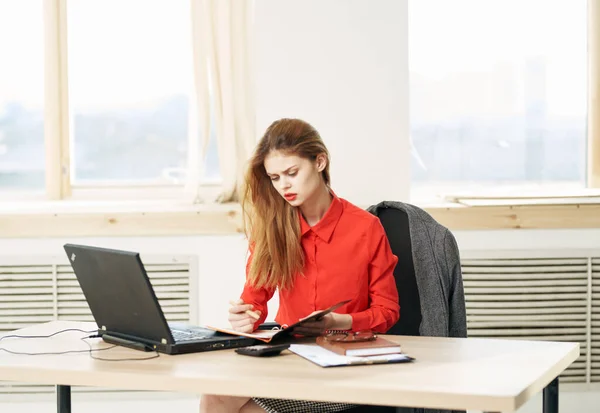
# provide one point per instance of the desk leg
(63, 399)
(550, 402)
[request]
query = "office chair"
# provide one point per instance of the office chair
(396, 225)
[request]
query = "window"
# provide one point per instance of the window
(130, 80)
(22, 156)
(498, 96)
(97, 100)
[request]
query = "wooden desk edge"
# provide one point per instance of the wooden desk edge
(539, 385)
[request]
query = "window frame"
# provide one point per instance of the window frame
(58, 130)
(593, 164)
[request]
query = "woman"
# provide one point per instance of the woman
(314, 248)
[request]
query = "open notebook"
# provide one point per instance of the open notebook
(271, 335)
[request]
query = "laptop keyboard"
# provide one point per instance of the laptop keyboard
(183, 335)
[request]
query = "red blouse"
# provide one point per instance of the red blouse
(347, 256)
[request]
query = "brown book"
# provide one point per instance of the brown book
(360, 348)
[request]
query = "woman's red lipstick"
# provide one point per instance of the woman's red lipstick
(290, 197)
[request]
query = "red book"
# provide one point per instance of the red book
(375, 347)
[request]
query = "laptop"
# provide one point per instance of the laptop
(124, 305)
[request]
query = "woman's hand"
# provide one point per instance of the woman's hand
(331, 321)
(239, 320)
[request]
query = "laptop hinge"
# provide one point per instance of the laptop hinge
(113, 335)
(136, 345)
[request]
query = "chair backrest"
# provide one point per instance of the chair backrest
(395, 224)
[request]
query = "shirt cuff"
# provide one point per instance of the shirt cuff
(361, 321)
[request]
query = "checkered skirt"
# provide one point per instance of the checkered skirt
(300, 406)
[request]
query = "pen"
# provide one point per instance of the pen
(249, 312)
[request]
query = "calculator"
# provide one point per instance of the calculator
(262, 350)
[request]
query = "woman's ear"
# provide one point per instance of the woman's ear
(321, 162)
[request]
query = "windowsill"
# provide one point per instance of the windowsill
(117, 218)
(119, 206)
(168, 218)
(482, 202)
(519, 215)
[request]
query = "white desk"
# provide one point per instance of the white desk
(482, 374)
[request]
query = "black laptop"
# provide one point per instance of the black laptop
(125, 307)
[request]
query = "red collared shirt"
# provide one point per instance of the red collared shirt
(347, 256)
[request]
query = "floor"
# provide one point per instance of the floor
(102, 403)
(127, 402)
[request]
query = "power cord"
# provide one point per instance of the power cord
(89, 351)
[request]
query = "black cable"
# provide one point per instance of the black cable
(90, 350)
(50, 335)
(22, 353)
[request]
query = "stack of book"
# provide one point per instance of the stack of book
(329, 353)
(376, 347)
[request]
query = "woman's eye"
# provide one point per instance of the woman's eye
(274, 178)
(293, 173)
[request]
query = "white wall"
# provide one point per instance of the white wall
(341, 65)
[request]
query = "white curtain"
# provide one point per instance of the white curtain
(223, 73)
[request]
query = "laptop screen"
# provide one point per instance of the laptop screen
(119, 293)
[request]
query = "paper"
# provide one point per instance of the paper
(326, 358)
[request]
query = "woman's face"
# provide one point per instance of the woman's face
(296, 179)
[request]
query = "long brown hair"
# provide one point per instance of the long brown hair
(271, 224)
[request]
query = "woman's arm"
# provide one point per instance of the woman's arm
(257, 297)
(384, 309)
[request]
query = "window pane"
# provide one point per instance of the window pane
(130, 78)
(21, 95)
(497, 95)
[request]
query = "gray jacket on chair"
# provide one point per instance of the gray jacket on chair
(438, 273)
